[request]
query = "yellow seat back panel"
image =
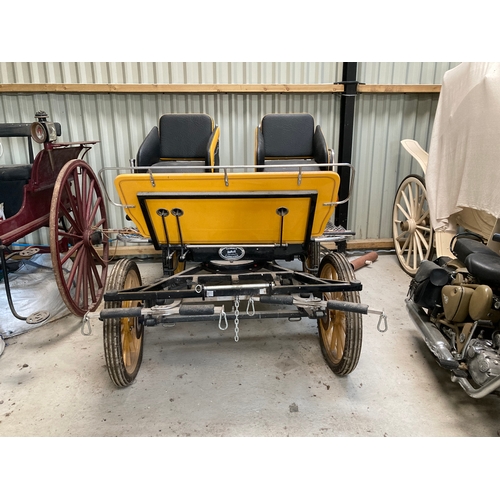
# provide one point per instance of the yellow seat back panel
(244, 212)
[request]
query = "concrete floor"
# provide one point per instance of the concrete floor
(196, 381)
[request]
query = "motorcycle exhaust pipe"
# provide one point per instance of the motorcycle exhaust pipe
(434, 339)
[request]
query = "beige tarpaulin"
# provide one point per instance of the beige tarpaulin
(464, 157)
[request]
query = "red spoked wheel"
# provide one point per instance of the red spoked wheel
(78, 226)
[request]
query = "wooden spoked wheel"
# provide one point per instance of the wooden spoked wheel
(78, 227)
(411, 229)
(340, 333)
(123, 337)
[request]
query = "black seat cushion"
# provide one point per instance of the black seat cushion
(184, 135)
(15, 172)
(485, 267)
(288, 135)
(466, 246)
(176, 166)
(13, 178)
(281, 165)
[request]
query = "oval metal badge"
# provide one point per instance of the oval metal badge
(232, 253)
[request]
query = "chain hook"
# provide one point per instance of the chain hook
(382, 320)
(222, 318)
(251, 305)
(86, 323)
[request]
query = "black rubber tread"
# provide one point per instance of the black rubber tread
(112, 327)
(354, 322)
(422, 180)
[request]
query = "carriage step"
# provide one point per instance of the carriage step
(332, 229)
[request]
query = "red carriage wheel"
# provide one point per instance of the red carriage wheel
(78, 225)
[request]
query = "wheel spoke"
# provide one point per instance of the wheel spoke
(73, 202)
(404, 212)
(71, 251)
(407, 242)
(418, 247)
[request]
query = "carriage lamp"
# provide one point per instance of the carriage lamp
(43, 130)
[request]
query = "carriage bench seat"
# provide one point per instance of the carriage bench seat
(13, 178)
(481, 261)
(15, 172)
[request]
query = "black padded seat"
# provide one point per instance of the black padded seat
(13, 178)
(481, 261)
(288, 139)
(466, 246)
(485, 267)
(181, 139)
(15, 172)
(176, 167)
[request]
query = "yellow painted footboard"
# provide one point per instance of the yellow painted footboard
(250, 208)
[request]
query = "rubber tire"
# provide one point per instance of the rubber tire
(125, 274)
(346, 325)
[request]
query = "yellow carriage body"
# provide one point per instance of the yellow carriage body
(234, 208)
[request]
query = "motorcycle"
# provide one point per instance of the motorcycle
(455, 304)
(454, 298)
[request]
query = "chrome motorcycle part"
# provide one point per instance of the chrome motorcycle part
(434, 339)
(483, 361)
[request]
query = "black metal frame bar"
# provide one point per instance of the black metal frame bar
(347, 105)
(197, 283)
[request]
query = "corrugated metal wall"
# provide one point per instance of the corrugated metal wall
(120, 121)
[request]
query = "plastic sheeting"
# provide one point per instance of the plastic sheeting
(33, 288)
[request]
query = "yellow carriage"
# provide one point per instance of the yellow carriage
(222, 231)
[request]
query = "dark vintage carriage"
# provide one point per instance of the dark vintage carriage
(58, 190)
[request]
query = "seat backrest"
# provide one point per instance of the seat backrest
(288, 135)
(184, 135)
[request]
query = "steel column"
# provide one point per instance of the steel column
(347, 103)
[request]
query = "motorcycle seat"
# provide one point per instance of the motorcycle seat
(485, 267)
(466, 246)
(481, 261)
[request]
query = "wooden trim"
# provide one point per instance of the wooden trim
(380, 244)
(130, 88)
(230, 88)
(399, 89)
(372, 244)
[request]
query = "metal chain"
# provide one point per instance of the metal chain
(236, 319)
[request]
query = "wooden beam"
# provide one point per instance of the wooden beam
(399, 89)
(375, 244)
(128, 88)
(229, 88)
